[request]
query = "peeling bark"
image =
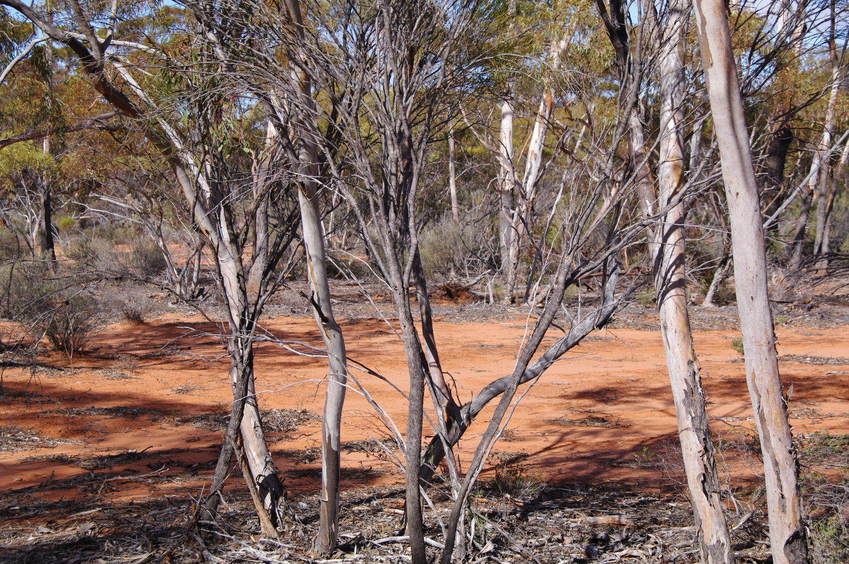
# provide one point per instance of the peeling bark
(671, 285)
(786, 530)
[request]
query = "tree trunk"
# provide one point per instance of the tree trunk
(331, 333)
(786, 530)
(718, 278)
(415, 416)
(775, 163)
(261, 178)
(507, 237)
(242, 320)
(819, 168)
(837, 181)
(46, 244)
(452, 178)
(671, 286)
(264, 474)
(245, 439)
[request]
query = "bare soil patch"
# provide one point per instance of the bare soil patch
(98, 466)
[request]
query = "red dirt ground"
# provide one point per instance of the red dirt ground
(603, 413)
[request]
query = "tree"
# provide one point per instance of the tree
(671, 287)
(786, 530)
(203, 156)
(667, 248)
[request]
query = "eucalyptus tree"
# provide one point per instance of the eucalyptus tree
(33, 97)
(397, 65)
(671, 287)
(786, 529)
(396, 74)
(663, 35)
(178, 97)
(264, 48)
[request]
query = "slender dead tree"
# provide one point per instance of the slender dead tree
(786, 530)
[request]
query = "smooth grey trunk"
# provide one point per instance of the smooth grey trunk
(334, 400)
(522, 212)
(334, 341)
(416, 368)
(786, 530)
(642, 168)
(836, 182)
(264, 474)
(331, 333)
(671, 286)
(260, 232)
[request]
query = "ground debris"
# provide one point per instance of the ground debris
(815, 360)
(14, 438)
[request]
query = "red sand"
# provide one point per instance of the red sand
(603, 413)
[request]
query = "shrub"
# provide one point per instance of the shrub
(830, 540)
(134, 312)
(65, 223)
(93, 253)
(114, 233)
(513, 480)
(11, 246)
(26, 290)
(147, 259)
(737, 344)
(71, 324)
(447, 246)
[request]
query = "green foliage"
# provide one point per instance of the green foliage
(737, 345)
(65, 223)
(830, 540)
(25, 157)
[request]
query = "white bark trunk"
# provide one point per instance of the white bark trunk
(671, 285)
(507, 183)
(452, 179)
(786, 531)
(314, 246)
